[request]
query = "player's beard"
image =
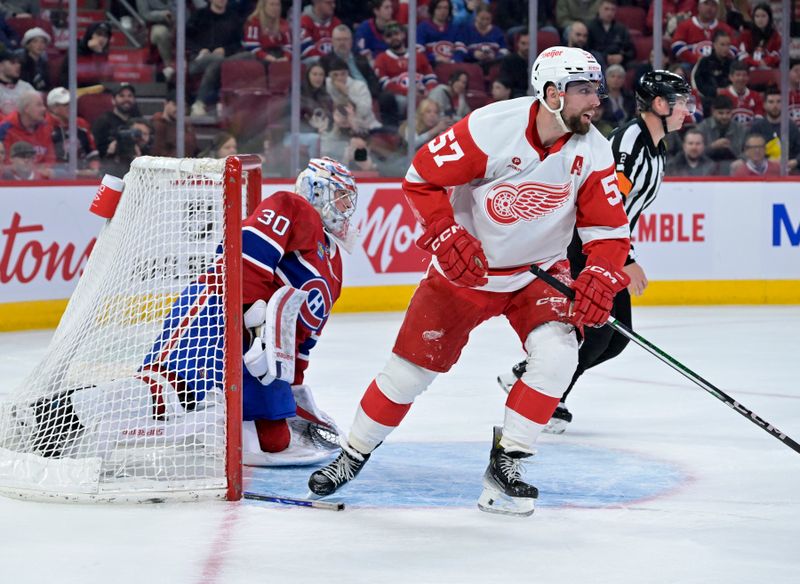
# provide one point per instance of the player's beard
(577, 124)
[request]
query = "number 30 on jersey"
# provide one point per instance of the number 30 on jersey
(446, 139)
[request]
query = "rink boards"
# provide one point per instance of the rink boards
(702, 242)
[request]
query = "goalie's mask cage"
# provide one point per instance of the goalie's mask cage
(331, 188)
(138, 397)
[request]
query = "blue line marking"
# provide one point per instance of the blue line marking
(448, 474)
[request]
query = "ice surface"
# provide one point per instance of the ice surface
(655, 481)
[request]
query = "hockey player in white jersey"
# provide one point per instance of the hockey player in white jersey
(525, 172)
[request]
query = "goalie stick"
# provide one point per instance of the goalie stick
(330, 506)
(674, 363)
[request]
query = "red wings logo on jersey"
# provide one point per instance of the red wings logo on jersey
(507, 203)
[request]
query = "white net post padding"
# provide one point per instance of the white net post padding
(129, 403)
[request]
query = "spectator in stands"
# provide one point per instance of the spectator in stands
(712, 73)
(317, 23)
(694, 37)
(747, 104)
(609, 37)
(428, 124)
(577, 35)
(357, 157)
(11, 86)
(343, 89)
(21, 8)
(621, 103)
(794, 92)
(93, 65)
(266, 35)
(160, 17)
(334, 141)
(165, 127)
(568, 11)
(316, 110)
(391, 66)
(723, 137)
(22, 165)
(370, 40)
(501, 89)
(29, 124)
(769, 127)
(464, 12)
(212, 34)
(8, 36)
(754, 159)
(760, 42)
(514, 66)
(692, 160)
(133, 139)
(604, 127)
(88, 162)
(485, 43)
(224, 145)
(359, 66)
(673, 12)
(106, 128)
(452, 96)
(439, 35)
(34, 58)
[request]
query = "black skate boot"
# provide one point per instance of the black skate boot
(327, 480)
(503, 491)
(559, 420)
(507, 380)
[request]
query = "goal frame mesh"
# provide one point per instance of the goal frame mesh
(240, 191)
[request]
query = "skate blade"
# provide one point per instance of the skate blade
(506, 381)
(494, 501)
(555, 426)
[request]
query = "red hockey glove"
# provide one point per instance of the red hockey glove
(595, 288)
(459, 253)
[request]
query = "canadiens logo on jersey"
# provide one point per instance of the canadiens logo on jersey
(318, 303)
(507, 203)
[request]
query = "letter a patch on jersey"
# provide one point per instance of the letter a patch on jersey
(577, 166)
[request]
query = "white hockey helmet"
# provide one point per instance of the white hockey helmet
(331, 188)
(561, 66)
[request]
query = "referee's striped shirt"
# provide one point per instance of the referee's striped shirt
(640, 167)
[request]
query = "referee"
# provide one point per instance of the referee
(664, 100)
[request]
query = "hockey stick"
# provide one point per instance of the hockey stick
(674, 363)
(296, 502)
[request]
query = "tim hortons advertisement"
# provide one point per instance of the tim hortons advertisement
(46, 236)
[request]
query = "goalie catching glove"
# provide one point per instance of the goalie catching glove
(595, 288)
(458, 252)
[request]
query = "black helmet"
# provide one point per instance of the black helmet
(660, 84)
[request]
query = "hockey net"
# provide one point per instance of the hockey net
(123, 407)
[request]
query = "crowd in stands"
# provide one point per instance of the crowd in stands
(355, 82)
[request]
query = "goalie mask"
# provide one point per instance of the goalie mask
(560, 66)
(331, 188)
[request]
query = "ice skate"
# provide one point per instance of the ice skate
(559, 420)
(332, 477)
(503, 490)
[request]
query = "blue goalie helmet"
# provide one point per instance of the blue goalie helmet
(331, 188)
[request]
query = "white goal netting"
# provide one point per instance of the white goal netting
(129, 402)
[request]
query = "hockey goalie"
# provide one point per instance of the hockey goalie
(291, 276)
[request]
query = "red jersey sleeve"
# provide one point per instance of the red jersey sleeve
(450, 159)
(601, 219)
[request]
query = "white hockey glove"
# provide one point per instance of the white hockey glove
(273, 326)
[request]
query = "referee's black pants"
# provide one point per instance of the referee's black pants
(604, 343)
